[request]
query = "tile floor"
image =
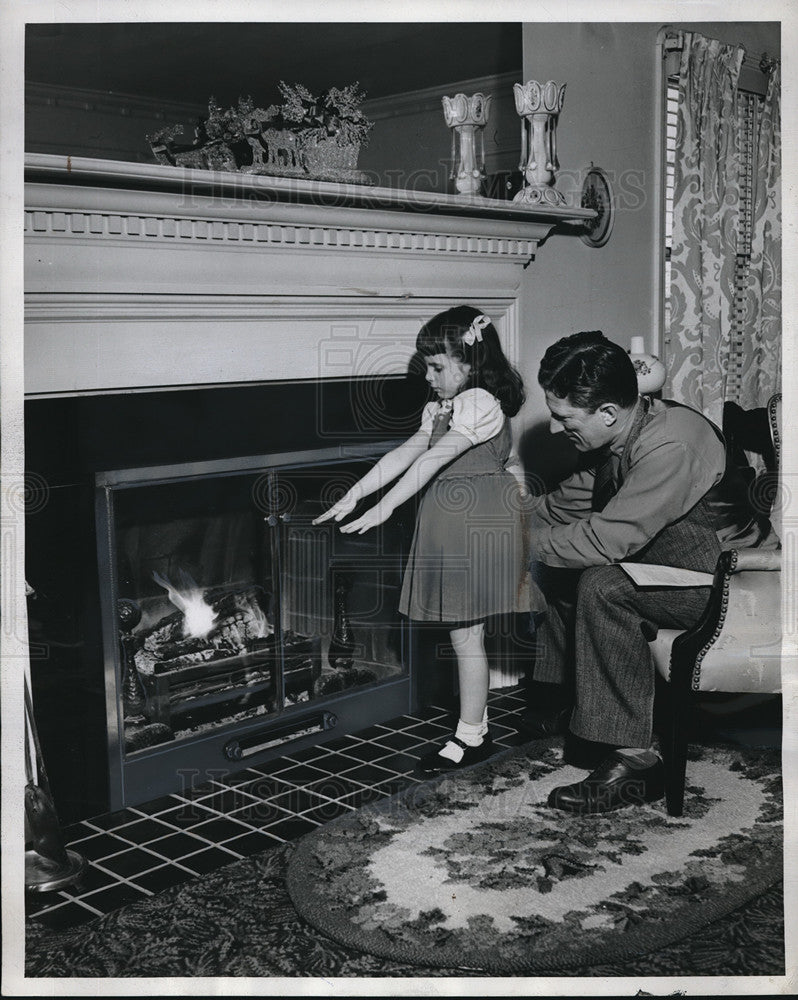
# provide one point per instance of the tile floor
(135, 853)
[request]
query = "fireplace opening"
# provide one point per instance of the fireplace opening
(185, 493)
(227, 608)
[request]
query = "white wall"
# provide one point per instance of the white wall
(411, 144)
(610, 118)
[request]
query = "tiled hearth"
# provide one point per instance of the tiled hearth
(135, 853)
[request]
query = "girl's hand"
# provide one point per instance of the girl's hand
(372, 517)
(339, 510)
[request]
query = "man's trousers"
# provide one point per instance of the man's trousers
(596, 644)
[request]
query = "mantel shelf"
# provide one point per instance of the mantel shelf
(56, 181)
(256, 188)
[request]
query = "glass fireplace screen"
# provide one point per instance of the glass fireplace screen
(229, 604)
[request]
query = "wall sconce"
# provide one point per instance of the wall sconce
(597, 194)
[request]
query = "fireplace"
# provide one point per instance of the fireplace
(206, 355)
(300, 641)
(235, 628)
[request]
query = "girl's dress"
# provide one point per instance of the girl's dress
(467, 560)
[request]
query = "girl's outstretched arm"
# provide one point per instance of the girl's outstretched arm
(391, 465)
(425, 466)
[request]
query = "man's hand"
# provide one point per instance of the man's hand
(375, 515)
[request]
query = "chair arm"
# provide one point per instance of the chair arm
(768, 560)
(690, 646)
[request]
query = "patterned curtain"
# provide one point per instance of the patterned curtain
(705, 218)
(761, 362)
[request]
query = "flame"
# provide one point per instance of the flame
(262, 626)
(198, 616)
(258, 626)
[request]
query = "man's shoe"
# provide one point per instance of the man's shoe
(613, 785)
(535, 724)
(586, 754)
(434, 763)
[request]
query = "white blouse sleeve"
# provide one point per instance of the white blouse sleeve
(477, 415)
(428, 417)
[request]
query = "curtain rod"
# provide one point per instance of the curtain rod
(672, 42)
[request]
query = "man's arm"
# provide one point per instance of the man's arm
(569, 501)
(662, 484)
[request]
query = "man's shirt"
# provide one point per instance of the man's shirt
(674, 460)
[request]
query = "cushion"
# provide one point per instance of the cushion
(746, 655)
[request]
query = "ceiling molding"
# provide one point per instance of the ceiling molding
(108, 102)
(429, 99)
(136, 106)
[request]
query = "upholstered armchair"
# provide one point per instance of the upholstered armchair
(736, 645)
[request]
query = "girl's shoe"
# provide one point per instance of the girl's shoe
(434, 763)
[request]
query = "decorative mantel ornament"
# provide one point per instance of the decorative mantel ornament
(539, 106)
(305, 136)
(467, 117)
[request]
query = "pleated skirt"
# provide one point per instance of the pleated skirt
(469, 559)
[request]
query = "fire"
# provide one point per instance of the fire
(261, 623)
(198, 615)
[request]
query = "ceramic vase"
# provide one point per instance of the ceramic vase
(649, 369)
(467, 118)
(539, 105)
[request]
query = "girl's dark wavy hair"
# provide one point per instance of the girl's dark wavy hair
(589, 370)
(490, 369)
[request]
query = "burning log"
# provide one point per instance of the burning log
(239, 622)
(233, 663)
(189, 659)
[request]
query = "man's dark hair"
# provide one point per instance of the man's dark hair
(588, 370)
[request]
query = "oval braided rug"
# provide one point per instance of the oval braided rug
(475, 871)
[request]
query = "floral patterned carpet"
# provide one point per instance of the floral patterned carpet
(476, 872)
(242, 921)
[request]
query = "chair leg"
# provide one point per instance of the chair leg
(674, 750)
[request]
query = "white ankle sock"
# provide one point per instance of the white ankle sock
(470, 734)
(483, 729)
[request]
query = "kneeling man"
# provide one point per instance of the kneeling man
(650, 487)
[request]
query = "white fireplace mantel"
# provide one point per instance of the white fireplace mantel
(139, 276)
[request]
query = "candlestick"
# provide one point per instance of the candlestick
(467, 118)
(539, 106)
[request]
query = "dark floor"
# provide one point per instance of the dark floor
(137, 852)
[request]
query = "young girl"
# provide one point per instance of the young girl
(466, 561)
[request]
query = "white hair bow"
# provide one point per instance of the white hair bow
(474, 332)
